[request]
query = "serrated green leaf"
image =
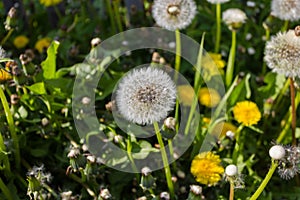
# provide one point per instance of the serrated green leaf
(49, 65)
(38, 88)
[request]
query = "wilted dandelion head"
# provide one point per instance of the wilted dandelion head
(289, 164)
(173, 14)
(145, 95)
(286, 9)
(247, 113)
(2, 53)
(234, 18)
(282, 53)
(217, 1)
(207, 168)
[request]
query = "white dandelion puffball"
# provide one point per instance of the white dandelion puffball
(234, 17)
(173, 14)
(231, 170)
(145, 95)
(282, 54)
(286, 9)
(217, 1)
(277, 152)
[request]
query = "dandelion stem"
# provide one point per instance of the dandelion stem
(237, 146)
(5, 190)
(218, 31)
(111, 16)
(6, 37)
(11, 126)
(285, 26)
(265, 181)
(129, 154)
(231, 60)
(292, 88)
(178, 54)
(165, 160)
(231, 192)
(117, 14)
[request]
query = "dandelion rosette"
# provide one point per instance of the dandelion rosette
(174, 14)
(247, 113)
(282, 54)
(286, 9)
(145, 95)
(207, 168)
(217, 1)
(234, 17)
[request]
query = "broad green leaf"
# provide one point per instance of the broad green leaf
(38, 88)
(49, 65)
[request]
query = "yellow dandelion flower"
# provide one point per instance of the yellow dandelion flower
(220, 128)
(207, 168)
(209, 97)
(48, 3)
(247, 113)
(20, 41)
(42, 44)
(217, 58)
(5, 74)
(186, 94)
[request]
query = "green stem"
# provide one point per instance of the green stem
(231, 60)
(178, 54)
(293, 112)
(12, 127)
(57, 11)
(116, 4)
(6, 37)
(129, 154)
(231, 193)
(218, 33)
(5, 154)
(50, 190)
(5, 190)
(265, 181)
(289, 121)
(165, 160)
(111, 16)
(285, 26)
(237, 146)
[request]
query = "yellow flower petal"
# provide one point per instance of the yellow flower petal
(247, 113)
(42, 44)
(20, 41)
(209, 97)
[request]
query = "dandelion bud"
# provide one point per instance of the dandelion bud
(109, 106)
(12, 13)
(155, 57)
(297, 31)
(277, 152)
(180, 174)
(14, 99)
(45, 121)
(95, 42)
(147, 180)
(169, 128)
(105, 194)
(231, 170)
(164, 196)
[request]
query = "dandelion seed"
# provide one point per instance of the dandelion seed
(174, 14)
(282, 54)
(234, 18)
(247, 113)
(286, 9)
(145, 95)
(207, 168)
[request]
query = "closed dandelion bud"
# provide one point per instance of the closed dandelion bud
(155, 57)
(277, 152)
(14, 99)
(105, 194)
(169, 128)
(109, 106)
(164, 196)
(147, 180)
(45, 121)
(95, 42)
(10, 21)
(195, 192)
(29, 68)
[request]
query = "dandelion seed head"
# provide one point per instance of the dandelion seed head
(2, 53)
(234, 17)
(286, 9)
(145, 95)
(231, 170)
(282, 54)
(173, 14)
(217, 1)
(277, 152)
